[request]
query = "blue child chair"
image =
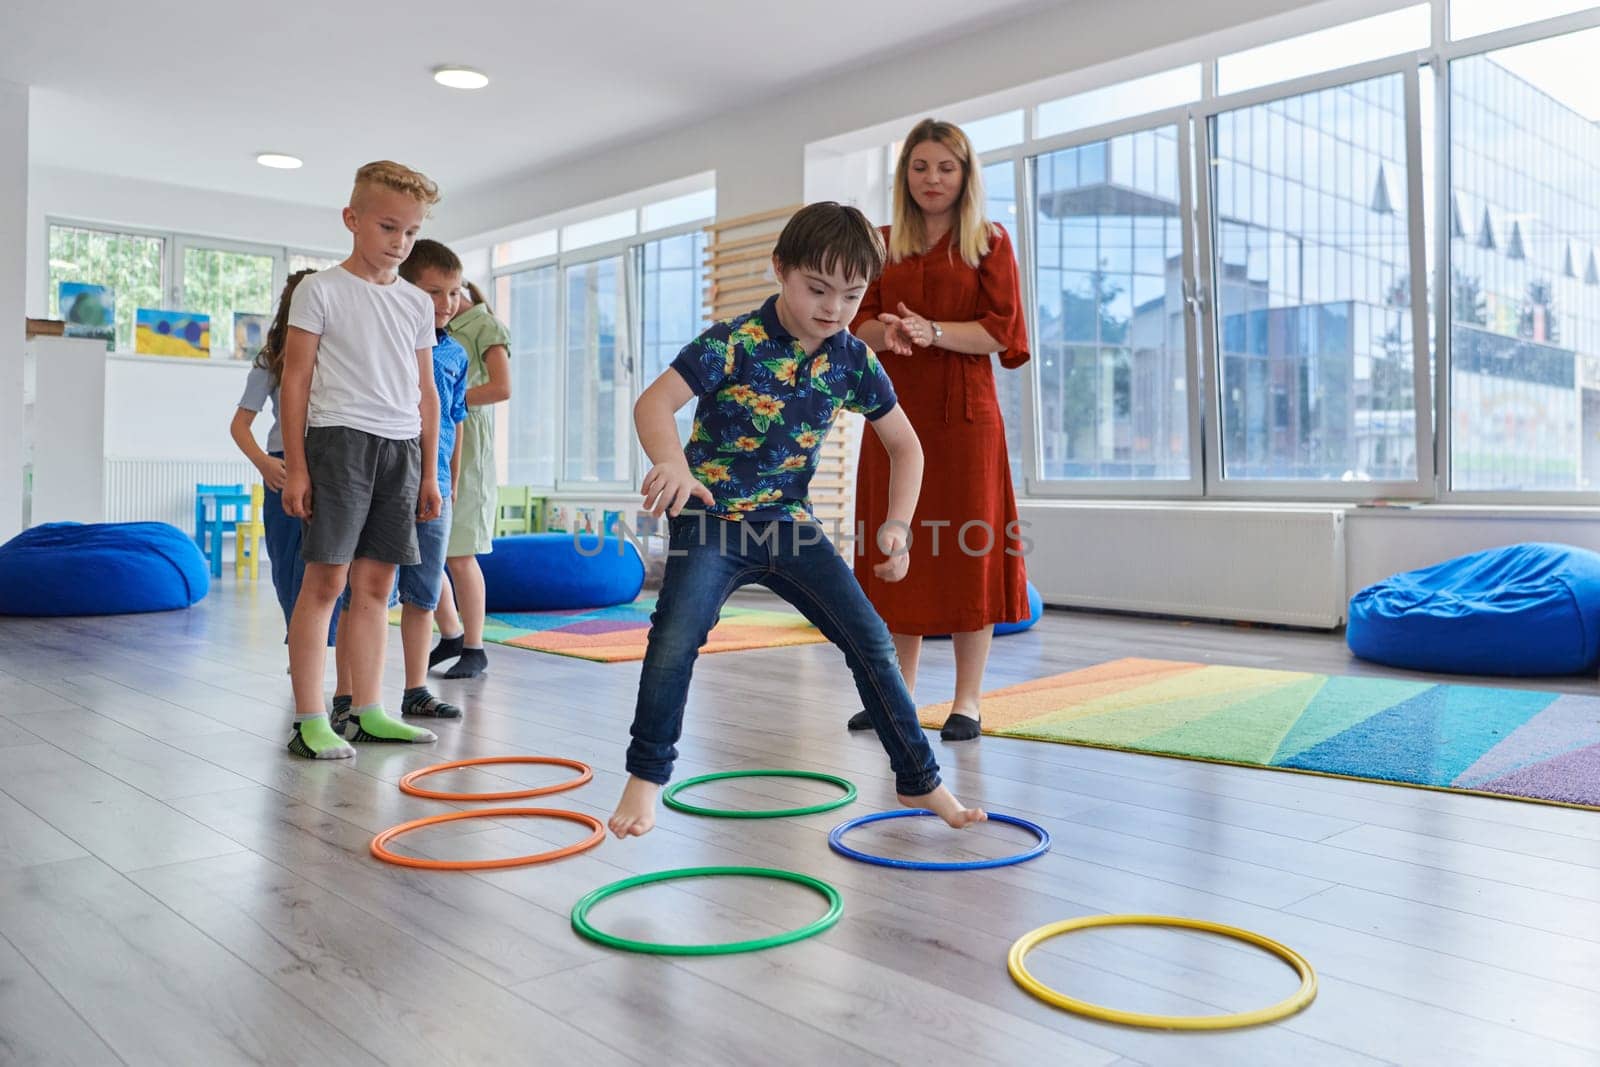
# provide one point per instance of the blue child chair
(218, 509)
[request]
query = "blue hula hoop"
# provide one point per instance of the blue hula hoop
(836, 842)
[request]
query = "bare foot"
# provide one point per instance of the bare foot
(942, 803)
(636, 811)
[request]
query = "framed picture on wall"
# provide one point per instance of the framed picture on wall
(88, 311)
(172, 333)
(249, 333)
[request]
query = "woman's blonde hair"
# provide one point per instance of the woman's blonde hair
(907, 233)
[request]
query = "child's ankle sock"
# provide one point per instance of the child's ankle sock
(472, 663)
(374, 724)
(314, 739)
(419, 701)
(340, 716)
(447, 648)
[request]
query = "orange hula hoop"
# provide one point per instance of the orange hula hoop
(381, 851)
(407, 784)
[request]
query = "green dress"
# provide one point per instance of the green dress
(472, 525)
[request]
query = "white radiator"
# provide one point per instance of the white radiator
(162, 490)
(1258, 564)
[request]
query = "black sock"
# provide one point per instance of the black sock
(447, 648)
(472, 663)
(959, 727)
(419, 701)
(341, 712)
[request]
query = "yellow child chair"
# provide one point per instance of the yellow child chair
(247, 537)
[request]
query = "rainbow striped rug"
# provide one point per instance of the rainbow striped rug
(617, 634)
(1504, 742)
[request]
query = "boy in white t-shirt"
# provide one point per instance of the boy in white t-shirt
(360, 420)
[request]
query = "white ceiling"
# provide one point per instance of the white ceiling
(188, 91)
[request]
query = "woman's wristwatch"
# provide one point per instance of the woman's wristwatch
(938, 331)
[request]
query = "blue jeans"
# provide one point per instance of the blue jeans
(419, 585)
(283, 549)
(708, 559)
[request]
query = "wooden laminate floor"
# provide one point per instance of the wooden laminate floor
(175, 888)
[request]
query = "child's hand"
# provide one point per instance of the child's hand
(429, 503)
(892, 540)
(274, 474)
(896, 338)
(670, 486)
(297, 494)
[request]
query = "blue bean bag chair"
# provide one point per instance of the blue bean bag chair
(558, 572)
(1519, 610)
(111, 568)
(1035, 611)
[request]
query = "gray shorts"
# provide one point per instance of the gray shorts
(363, 497)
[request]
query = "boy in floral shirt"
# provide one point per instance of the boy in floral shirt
(769, 384)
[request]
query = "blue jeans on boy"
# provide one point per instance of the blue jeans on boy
(708, 559)
(282, 534)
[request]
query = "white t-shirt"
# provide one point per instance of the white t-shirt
(366, 370)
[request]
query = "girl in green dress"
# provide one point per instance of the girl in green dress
(487, 342)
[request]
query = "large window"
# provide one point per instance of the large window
(529, 300)
(173, 271)
(599, 393)
(1000, 191)
(219, 282)
(1112, 370)
(671, 284)
(129, 264)
(1238, 268)
(598, 308)
(1525, 282)
(1338, 46)
(1468, 18)
(1313, 281)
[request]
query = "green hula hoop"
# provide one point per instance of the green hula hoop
(670, 798)
(580, 912)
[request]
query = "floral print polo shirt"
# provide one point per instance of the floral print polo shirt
(765, 408)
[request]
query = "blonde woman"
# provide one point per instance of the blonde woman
(948, 297)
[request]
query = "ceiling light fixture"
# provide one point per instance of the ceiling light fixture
(279, 161)
(460, 77)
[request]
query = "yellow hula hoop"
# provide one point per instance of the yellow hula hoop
(1281, 1010)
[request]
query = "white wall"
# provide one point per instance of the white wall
(13, 268)
(758, 151)
(1381, 543)
(195, 399)
(113, 201)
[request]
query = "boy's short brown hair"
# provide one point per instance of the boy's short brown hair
(428, 254)
(400, 178)
(828, 236)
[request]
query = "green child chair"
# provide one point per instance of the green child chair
(518, 511)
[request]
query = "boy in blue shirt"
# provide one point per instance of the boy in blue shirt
(770, 384)
(436, 270)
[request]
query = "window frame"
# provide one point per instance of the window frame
(1035, 484)
(174, 243)
(630, 297)
(1432, 419)
(1444, 53)
(1423, 485)
(184, 243)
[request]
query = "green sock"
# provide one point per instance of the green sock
(314, 739)
(374, 724)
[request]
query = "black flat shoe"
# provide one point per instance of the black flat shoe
(960, 727)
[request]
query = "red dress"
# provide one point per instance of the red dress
(951, 401)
